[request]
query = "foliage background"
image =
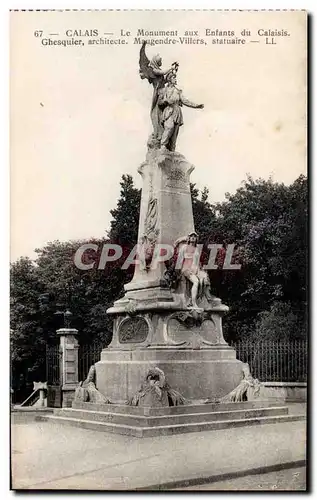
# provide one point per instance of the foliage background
(267, 221)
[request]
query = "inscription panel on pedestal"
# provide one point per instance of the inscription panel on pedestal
(133, 330)
(177, 179)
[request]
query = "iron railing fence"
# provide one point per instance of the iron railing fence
(269, 361)
(275, 360)
(88, 355)
(53, 361)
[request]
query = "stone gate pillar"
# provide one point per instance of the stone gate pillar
(69, 364)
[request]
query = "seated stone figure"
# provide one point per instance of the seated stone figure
(87, 391)
(187, 265)
(240, 394)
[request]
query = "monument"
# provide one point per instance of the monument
(168, 319)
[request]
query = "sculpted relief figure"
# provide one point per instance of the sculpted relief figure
(248, 389)
(155, 391)
(87, 391)
(166, 113)
(149, 237)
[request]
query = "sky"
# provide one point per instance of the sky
(79, 115)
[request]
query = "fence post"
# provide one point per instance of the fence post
(69, 364)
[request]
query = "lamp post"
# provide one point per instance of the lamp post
(62, 306)
(67, 317)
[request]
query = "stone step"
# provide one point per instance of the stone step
(170, 429)
(174, 410)
(165, 420)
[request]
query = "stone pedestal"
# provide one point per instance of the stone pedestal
(196, 374)
(69, 364)
(153, 327)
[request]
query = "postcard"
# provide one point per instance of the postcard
(158, 249)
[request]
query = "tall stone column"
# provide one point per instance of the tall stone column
(69, 364)
(166, 210)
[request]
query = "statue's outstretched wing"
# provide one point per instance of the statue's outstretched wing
(145, 70)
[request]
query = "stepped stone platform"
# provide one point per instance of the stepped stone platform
(150, 421)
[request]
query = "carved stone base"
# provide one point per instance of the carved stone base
(155, 322)
(195, 373)
(186, 343)
(145, 421)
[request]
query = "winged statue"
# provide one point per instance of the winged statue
(156, 76)
(167, 101)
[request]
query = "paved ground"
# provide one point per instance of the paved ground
(52, 456)
(296, 408)
(285, 480)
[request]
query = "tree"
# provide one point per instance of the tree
(281, 322)
(268, 222)
(28, 335)
(204, 214)
(73, 288)
(125, 217)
